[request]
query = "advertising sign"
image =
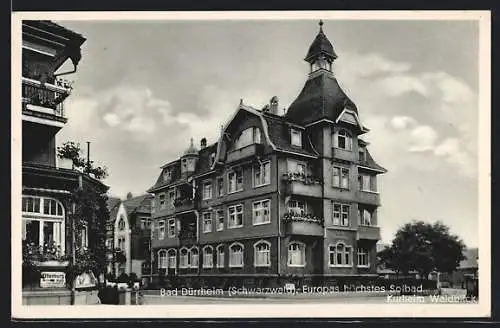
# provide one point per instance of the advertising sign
(52, 279)
(85, 280)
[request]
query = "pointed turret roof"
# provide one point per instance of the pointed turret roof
(191, 150)
(321, 46)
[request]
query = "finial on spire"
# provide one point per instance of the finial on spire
(241, 101)
(321, 25)
(192, 142)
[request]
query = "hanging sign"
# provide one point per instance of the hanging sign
(52, 279)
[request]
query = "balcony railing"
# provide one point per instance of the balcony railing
(303, 185)
(303, 224)
(368, 232)
(245, 152)
(187, 237)
(183, 204)
(47, 99)
(368, 197)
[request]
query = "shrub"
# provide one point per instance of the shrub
(123, 278)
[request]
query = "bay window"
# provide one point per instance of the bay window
(43, 221)
(366, 183)
(365, 216)
(296, 207)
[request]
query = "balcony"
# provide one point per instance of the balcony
(183, 204)
(343, 154)
(306, 224)
(368, 233)
(245, 152)
(187, 238)
(368, 197)
(302, 185)
(44, 101)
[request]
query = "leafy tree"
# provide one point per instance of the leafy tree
(72, 151)
(423, 247)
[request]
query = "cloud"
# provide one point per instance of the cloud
(423, 138)
(402, 122)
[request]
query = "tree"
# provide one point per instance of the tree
(423, 247)
(72, 151)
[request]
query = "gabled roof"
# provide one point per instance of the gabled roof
(279, 133)
(137, 204)
(320, 98)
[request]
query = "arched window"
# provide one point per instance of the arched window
(194, 257)
(162, 259)
(220, 256)
(236, 255)
(296, 254)
(208, 257)
(248, 137)
(262, 254)
(43, 222)
(343, 140)
(121, 223)
(184, 258)
(340, 255)
(172, 258)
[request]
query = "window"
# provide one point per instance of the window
(261, 212)
(363, 258)
(163, 204)
(236, 255)
(235, 216)
(296, 137)
(262, 174)
(341, 215)
(43, 221)
(211, 159)
(296, 254)
(184, 258)
(161, 230)
(121, 224)
(167, 175)
(220, 256)
(121, 243)
(171, 228)
(207, 190)
(172, 258)
(194, 257)
(248, 137)
(208, 257)
(262, 254)
(365, 183)
(340, 177)
(342, 139)
(235, 181)
(296, 207)
(85, 236)
(340, 255)
(220, 220)
(220, 186)
(162, 259)
(171, 198)
(145, 224)
(207, 222)
(362, 154)
(365, 217)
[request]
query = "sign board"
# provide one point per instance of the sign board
(52, 279)
(85, 280)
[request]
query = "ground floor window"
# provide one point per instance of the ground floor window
(162, 259)
(296, 254)
(236, 255)
(172, 259)
(363, 258)
(220, 256)
(208, 257)
(262, 254)
(184, 258)
(340, 255)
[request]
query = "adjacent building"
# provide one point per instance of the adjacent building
(48, 183)
(277, 198)
(129, 235)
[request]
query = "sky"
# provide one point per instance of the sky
(144, 88)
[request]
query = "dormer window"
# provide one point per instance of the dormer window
(296, 137)
(248, 137)
(343, 140)
(167, 175)
(362, 154)
(211, 159)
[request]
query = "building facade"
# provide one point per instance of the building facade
(277, 198)
(48, 183)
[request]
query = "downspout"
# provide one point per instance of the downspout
(279, 216)
(73, 245)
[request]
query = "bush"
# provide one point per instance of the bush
(123, 278)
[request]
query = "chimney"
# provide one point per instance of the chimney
(273, 105)
(203, 143)
(129, 195)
